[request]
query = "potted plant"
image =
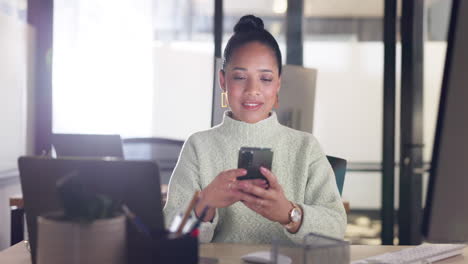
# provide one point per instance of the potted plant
(91, 228)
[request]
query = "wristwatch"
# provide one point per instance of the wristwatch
(295, 217)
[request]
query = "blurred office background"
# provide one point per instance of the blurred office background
(146, 69)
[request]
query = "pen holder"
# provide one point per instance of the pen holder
(62, 241)
(161, 248)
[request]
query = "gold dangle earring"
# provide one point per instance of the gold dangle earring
(224, 100)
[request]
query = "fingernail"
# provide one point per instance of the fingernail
(263, 168)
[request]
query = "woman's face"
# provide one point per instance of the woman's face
(251, 81)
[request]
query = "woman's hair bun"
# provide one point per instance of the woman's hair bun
(248, 23)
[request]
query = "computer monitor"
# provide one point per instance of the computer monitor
(87, 145)
(446, 212)
(297, 97)
(135, 183)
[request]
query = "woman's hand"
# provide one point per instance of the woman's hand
(223, 191)
(270, 203)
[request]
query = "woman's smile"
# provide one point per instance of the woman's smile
(252, 105)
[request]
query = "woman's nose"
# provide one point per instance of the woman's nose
(253, 88)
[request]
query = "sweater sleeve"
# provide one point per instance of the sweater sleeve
(323, 211)
(184, 182)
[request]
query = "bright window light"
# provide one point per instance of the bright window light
(103, 67)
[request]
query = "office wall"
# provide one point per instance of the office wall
(15, 52)
(16, 42)
(183, 88)
(348, 118)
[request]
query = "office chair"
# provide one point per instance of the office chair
(339, 168)
(87, 145)
(162, 150)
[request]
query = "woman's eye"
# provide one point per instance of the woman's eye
(266, 79)
(239, 78)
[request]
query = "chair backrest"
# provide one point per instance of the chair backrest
(87, 145)
(339, 168)
(162, 150)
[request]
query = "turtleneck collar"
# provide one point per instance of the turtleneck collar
(263, 128)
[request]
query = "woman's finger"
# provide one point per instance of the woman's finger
(258, 182)
(255, 190)
(273, 182)
(233, 188)
(231, 175)
(247, 197)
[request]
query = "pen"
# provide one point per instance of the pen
(200, 219)
(136, 221)
(187, 212)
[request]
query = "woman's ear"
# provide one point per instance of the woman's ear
(222, 80)
(279, 85)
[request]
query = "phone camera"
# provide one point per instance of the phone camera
(247, 158)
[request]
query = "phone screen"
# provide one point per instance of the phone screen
(252, 159)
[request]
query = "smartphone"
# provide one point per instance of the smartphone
(252, 159)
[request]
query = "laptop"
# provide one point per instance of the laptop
(87, 145)
(135, 183)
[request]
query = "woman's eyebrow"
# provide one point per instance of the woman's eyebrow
(239, 69)
(244, 69)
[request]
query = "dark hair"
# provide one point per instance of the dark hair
(250, 29)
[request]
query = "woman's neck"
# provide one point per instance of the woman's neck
(233, 116)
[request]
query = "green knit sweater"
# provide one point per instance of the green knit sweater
(299, 164)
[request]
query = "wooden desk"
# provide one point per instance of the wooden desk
(230, 253)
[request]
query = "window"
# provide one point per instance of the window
(135, 68)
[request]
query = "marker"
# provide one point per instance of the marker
(175, 223)
(136, 221)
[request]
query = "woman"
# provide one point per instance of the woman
(301, 195)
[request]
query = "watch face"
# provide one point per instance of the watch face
(296, 215)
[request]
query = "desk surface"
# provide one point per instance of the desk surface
(230, 253)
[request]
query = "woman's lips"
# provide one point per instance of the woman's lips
(252, 105)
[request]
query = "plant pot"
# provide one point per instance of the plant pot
(102, 241)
